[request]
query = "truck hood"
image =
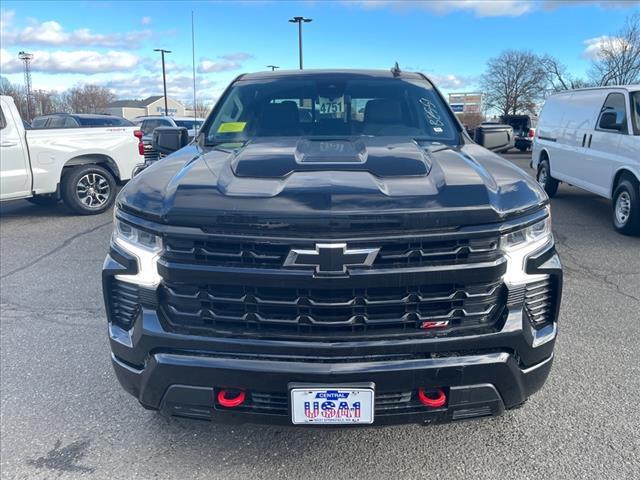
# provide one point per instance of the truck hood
(274, 183)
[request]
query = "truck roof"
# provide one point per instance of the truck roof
(320, 72)
(626, 88)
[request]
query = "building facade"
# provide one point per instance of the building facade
(130, 109)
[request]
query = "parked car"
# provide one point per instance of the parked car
(150, 123)
(336, 269)
(78, 120)
(495, 136)
(82, 166)
(523, 129)
(590, 138)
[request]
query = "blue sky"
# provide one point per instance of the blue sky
(111, 42)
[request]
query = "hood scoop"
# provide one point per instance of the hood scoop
(282, 156)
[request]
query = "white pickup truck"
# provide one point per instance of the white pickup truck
(81, 166)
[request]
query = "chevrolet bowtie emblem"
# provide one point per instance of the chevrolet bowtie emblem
(331, 258)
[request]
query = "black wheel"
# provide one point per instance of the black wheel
(43, 200)
(626, 208)
(545, 179)
(88, 189)
(523, 149)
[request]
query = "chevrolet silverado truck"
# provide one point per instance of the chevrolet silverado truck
(332, 249)
(81, 166)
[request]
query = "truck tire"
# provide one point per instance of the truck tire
(626, 208)
(44, 200)
(523, 149)
(546, 181)
(88, 189)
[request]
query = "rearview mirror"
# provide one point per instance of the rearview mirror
(167, 140)
(608, 121)
(494, 137)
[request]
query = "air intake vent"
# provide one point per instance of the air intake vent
(124, 299)
(538, 301)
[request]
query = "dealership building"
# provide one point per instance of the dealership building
(149, 106)
(466, 102)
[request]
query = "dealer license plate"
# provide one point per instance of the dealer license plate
(332, 405)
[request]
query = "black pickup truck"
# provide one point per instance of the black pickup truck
(332, 248)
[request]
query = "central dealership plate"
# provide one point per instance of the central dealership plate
(332, 405)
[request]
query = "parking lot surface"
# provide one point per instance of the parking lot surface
(65, 416)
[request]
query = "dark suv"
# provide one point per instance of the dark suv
(332, 248)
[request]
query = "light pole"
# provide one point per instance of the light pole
(299, 21)
(272, 67)
(164, 79)
(26, 58)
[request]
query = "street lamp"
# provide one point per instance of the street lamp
(272, 67)
(299, 21)
(164, 79)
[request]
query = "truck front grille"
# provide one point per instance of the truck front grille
(441, 309)
(272, 254)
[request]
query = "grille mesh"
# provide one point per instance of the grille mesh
(124, 303)
(385, 403)
(538, 301)
(272, 254)
(245, 309)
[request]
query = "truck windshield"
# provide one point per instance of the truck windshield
(339, 105)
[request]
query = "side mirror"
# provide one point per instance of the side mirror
(608, 121)
(167, 140)
(494, 137)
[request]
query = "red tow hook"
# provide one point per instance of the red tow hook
(432, 398)
(231, 398)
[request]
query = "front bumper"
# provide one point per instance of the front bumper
(186, 383)
(181, 374)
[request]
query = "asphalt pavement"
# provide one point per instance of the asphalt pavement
(64, 415)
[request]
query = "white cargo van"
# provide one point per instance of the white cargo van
(590, 138)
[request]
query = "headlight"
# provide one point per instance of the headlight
(520, 244)
(145, 246)
(134, 236)
(528, 236)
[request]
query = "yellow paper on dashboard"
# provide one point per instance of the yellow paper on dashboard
(231, 127)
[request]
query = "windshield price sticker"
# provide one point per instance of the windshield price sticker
(331, 107)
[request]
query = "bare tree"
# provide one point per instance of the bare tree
(558, 78)
(201, 109)
(617, 61)
(49, 101)
(17, 93)
(88, 98)
(514, 82)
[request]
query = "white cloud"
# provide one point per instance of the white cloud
(489, 8)
(178, 86)
(9, 62)
(594, 46)
(73, 61)
(451, 82)
(481, 8)
(52, 33)
(145, 20)
(229, 61)
(6, 19)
